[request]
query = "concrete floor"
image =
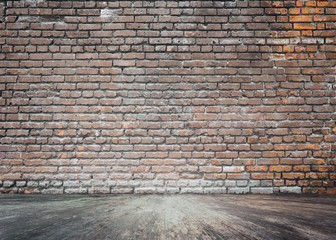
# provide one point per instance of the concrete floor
(167, 217)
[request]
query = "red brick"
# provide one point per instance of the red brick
(150, 92)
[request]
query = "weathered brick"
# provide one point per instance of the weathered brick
(179, 96)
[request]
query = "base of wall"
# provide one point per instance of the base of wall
(176, 187)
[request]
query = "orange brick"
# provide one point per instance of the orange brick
(331, 190)
(60, 132)
(307, 33)
(312, 11)
(290, 182)
(256, 168)
(310, 3)
(303, 183)
(294, 11)
(303, 168)
(293, 175)
(215, 176)
(326, 3)
(308, 147)
(262, 175)
(327, 18)
(280, 168)
(323, 168)
(300, 18)
(300, 3)
(304, 26)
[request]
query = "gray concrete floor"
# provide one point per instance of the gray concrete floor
(167, 217)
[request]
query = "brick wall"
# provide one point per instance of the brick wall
(167, 96)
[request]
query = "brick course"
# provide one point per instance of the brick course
(167, 96)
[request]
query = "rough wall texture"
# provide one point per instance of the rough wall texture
(167, 96)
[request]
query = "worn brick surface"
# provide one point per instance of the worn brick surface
(167, 96)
